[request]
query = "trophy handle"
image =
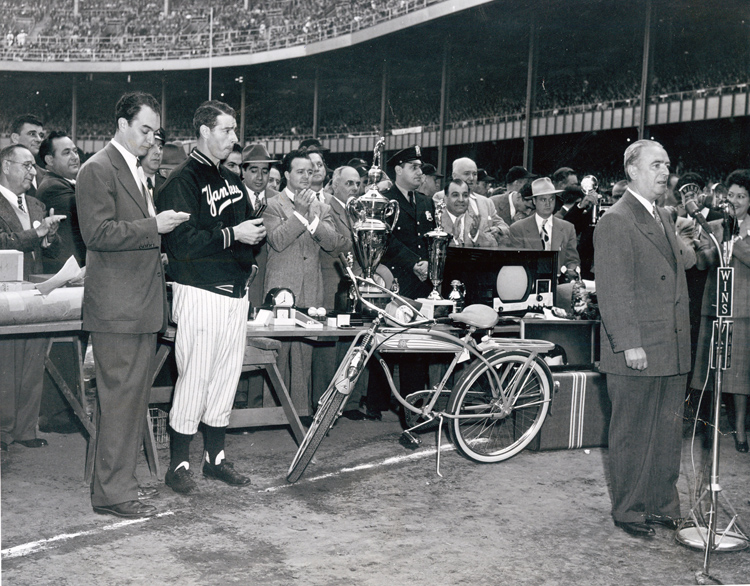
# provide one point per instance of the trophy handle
(392, 210)
(356, 212)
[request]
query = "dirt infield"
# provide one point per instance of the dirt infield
(366, 512)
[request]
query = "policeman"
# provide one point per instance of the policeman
(406, 255)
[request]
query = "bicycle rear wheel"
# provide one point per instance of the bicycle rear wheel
(324, 418)
(493, 427)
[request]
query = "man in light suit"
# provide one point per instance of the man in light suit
(459, 220)
(543, 231)
(645, 343)
(298, 226)
(512, 206)
(124, 301)
(24, 226)
(466, 170)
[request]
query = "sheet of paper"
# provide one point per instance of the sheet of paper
(68, 272)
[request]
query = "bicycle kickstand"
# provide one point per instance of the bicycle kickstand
(439, 440)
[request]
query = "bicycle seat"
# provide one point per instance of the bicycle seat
(482, 317)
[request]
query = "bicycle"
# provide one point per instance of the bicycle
(499, 402)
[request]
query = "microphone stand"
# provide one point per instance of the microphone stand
(708, 537)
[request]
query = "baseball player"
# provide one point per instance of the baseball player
(211, 262)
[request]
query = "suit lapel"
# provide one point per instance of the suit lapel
(532, 233)
(403, 204)
(556, 240)
(125, 177)
(8, 214)
(650, 229)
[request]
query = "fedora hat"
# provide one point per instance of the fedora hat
(172, 155)
(257, 153)
(543, 186)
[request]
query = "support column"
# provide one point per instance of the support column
(74, 110)
(444, 94)
(528, 141)
(164, 101)
(241, 79)
(384, 96)
(316, 89)
(645, 69)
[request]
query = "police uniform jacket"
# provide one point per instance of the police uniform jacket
(407, 245)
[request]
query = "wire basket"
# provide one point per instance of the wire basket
(159, 419)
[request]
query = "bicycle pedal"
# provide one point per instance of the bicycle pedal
(409, 440)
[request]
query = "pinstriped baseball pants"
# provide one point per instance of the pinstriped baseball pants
(209, 348)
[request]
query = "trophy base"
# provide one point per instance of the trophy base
(435, 308)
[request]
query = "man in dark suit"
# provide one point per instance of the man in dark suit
(28, 130)
(406, 256)
(256, 164)
(543, 231)
(24, 226)
(57, 190)
(124, 302)
(645, 343)
(151, 163)
(511, 206)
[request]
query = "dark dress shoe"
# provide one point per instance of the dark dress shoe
(354, 414)
(225, 472)
(147, 492)
(373, 415)
(127, 510)
(741, 447)
(664, 520)
(636, 529)
(37, 442)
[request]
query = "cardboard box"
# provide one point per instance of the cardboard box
(11, 265)
(16, 286)
(580, 412)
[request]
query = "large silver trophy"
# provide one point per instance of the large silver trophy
(372, 217)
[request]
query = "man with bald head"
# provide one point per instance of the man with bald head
(346, 183)
(25, 225)
(466, 170)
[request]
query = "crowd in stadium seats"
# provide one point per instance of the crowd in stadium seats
(140, 30)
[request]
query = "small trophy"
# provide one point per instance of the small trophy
(437, 249)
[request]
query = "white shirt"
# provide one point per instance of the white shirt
(548, 223)
(311, 226)
(138, 174)
(511, 206)
(646, 204)
(12, 198)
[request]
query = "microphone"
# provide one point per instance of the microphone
(692, 208)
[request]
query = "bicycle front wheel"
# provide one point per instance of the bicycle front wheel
(322, 422)
(493, 424)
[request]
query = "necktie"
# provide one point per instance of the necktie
(544, 235)
(410, 197)
(459, 230)
(20, 204)
(150, 185)
(658, 220)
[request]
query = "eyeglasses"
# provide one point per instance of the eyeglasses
(28, 165)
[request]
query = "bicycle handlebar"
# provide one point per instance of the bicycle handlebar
(355, 280)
